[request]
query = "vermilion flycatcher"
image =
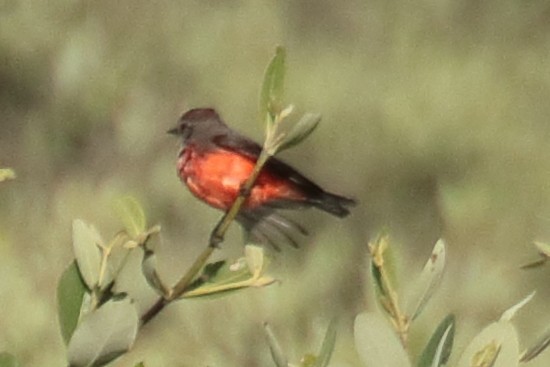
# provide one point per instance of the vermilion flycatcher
(214, 163)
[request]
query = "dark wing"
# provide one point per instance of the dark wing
(314, 195)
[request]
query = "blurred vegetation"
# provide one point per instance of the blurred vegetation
(434, 118)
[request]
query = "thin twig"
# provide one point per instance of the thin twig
(183, 283)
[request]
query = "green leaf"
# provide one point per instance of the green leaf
(378, 283)
(497, 345)
(8, 360)
(300, 131)
(6, 174)
(86, 242)
(220, 277)
(70, 295)
(215, 277)
(149, 269)
(439, 347)
(215, 272)
(383, 272)
(115, 255)
(327, 347)
(220, 272)
(104, 335)
(271, 96)
(428, 281)
(277, 353)
(140, 364)
(132, 215)
(537, 348)
(511, 312)
(255, 260)
(376, 342)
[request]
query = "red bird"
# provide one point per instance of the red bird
(214, 163)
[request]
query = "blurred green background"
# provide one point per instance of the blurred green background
(435, 117)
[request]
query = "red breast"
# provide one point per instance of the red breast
(217, 176)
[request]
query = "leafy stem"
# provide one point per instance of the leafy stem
(388, 296)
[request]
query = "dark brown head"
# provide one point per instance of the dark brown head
(198, 123)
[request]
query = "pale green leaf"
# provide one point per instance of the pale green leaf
(115, 255)
(439, 347)
(510, 313)
(104, 334)
(277, 353)
(6, 174)
(487, 357)
(86, 242)
(300, 131)
(224, 273)
(218, 278)
(499, 341)
(428, 281)
(376, 342)
(254, 256)
(327, 347)
(149, 269)
(218, 289)
(89, 303)
(132, 215)
(70, 295)
(271, 96)
(8, 360)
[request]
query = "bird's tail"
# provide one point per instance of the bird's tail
(334, 204)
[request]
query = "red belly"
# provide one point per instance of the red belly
(217, 177)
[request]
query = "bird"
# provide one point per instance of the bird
(214, 162)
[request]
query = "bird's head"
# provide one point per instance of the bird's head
(196, 123)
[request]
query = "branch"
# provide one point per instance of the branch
(216, 238)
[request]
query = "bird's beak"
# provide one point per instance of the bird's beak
(174, 131)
